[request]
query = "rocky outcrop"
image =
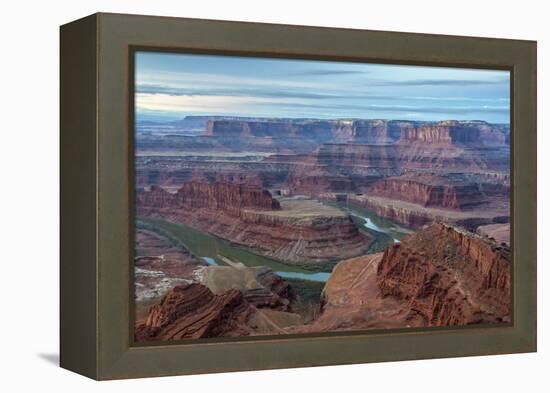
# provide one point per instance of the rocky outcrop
(413, 218)
(438, 276)
(372, 131)
(317, 130)
(362, 131)
(167, 172)
(473, 133)
(446, 276)
(377, 161)
(415, 215)
(192, 311)
(230, 198)
(300, 231)
(430, 190)
(326, 155)
(369, 131)
(351, 300)
(260, 286)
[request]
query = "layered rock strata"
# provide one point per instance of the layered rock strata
(429, 190)
(192, 311)
(474, 133)
(438, 276)
(414, 215)
(446, 276)
(361, 131)
(300, 231)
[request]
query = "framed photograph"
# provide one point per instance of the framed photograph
(241, 196)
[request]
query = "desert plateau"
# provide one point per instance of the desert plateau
(268, 226)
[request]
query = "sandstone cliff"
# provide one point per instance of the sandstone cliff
(474, 133)
(301, 231)
(318, 130)
(430, 190)
(438, 276)
(363, 131)
(230, 198)
(371, 131)
(445, 276)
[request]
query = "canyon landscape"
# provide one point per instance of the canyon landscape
(250, 225)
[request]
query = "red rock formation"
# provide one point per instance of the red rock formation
(351, 300)
(448, 277)
(429, 190)
(361, 150)
(369, 131)
(428, 134)
(379, 131)
(193, 311)
(477, 133)
(230, 198)
(280, 129)
(305, 232)
(438, 276)
(408, 217)
(392, 160)
(474, 133)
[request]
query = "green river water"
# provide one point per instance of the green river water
(211, 248)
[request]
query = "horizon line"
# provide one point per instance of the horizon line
(229, 117)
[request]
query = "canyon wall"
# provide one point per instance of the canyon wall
(372, 131)
(473, 133)
(230, 198)
(448, 277)
(318, 130)
(301, 232)
(429, 190)
(438, 276)
(327, 152)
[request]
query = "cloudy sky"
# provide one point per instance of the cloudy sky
(170, 86)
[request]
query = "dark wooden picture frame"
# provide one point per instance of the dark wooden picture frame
(97, 206)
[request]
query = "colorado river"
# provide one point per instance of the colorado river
(374, 222)
(210, 249)
(321, 276)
